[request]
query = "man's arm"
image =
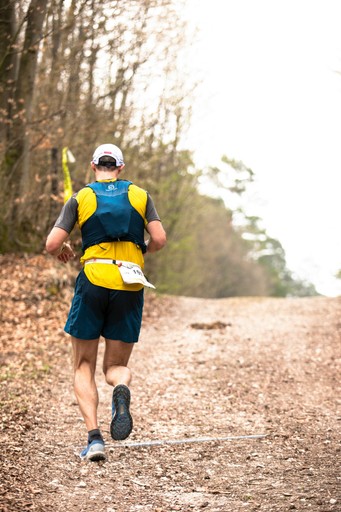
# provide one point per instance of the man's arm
(56, 245)
(158, 238)
(56, 241)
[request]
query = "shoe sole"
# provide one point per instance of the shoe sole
(96, 456)
(122, 422)
(95, 453)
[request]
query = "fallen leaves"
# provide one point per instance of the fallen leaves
(251, 366)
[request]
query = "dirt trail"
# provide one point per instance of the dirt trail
(203, 368)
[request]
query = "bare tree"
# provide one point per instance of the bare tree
(76, 74)
(20, 64)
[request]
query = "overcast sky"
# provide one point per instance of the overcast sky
(270, 95)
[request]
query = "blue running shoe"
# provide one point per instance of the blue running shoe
(122, 422)
(95, 451)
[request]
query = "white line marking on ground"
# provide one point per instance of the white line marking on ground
(191, 440)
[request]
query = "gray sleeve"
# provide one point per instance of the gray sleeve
(68, 216)
(151, 213)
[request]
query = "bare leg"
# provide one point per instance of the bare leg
(117, 373)
(85, 357)
(115, 361)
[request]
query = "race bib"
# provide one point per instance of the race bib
(132, 274)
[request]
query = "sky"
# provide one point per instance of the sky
(270, 96)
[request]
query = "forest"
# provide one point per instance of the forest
(78, 73)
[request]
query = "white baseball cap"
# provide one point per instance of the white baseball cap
(108, 150)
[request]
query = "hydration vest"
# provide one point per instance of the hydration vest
(114, 219)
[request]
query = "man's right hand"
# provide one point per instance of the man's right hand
(66, 254)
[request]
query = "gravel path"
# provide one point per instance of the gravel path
(203, 369)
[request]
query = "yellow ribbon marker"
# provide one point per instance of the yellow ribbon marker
(67, 157)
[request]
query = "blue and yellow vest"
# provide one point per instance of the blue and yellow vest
(115, 219)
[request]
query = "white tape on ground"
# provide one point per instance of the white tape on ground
(191, 440)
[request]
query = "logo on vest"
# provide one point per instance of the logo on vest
(111, 187)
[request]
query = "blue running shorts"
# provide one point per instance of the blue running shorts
(96, 311)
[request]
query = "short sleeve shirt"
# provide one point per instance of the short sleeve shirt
(79, 208)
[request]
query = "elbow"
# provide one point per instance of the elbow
(164, 241)
(55, 240)
(161, 242)
(157, 243)
(51, 246)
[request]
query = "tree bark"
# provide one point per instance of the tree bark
(16, 162)
(8, 60)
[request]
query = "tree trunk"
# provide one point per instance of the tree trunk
(16, 162)
(8, 59)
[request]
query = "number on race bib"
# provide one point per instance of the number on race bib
(132, 274)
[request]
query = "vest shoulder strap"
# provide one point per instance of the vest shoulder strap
(97, 185)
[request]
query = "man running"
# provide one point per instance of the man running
(108, 300)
